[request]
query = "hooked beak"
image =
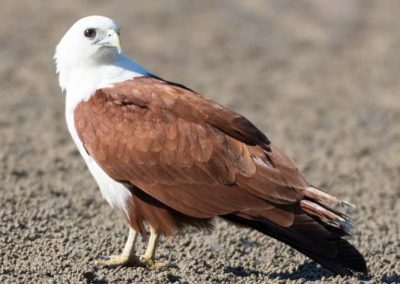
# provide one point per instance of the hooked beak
(111, 40)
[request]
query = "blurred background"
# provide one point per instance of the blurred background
(321, 78)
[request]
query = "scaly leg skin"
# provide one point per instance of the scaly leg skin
(148, 258)
(127, 258)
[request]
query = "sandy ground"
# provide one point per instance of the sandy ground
(321, 78)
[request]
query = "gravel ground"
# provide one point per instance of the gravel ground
(321, 78)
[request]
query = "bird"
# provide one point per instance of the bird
(168, 158)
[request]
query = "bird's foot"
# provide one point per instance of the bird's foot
(150, 263)
(118, 260)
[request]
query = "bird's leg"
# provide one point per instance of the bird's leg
(127, 257)
(149, 256)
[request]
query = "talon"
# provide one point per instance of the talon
(150, 263)
(127, 258)
(104, 257)
(158, 266)
(117, 260)
(146, 260)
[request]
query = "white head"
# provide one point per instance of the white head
(92, 40)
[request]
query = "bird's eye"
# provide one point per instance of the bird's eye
(90, 33)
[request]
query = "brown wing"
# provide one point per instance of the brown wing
(186, 151)
(204, 160)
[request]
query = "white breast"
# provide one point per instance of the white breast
(82, 84)
(114, 192)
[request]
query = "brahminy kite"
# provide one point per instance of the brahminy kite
(168, 158)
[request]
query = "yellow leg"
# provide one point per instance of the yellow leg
(149, 256)
(127, 257)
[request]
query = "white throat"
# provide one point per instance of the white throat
(81, 82)
(86, 63)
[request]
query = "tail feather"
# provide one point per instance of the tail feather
(328, 216)
(325, 199)
(313, 239)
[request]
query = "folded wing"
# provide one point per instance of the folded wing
(205, 160)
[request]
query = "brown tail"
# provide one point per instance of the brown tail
(319, 239)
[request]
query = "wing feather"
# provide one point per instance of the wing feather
(185, 150)
(187, 153)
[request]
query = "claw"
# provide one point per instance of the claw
(104, 257)
(117, 260)
(150, 263)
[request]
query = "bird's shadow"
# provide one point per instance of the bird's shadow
(309, 271)
(389, 279)
(240, 271)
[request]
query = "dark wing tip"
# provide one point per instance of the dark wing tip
(249, 132)
(346, 261)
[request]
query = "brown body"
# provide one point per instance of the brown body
(187, 159)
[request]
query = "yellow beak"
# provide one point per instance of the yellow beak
(112, 40)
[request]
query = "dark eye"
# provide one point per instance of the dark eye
(90, 33)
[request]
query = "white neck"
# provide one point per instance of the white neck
(81, 82)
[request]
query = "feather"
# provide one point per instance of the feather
(186, 159)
